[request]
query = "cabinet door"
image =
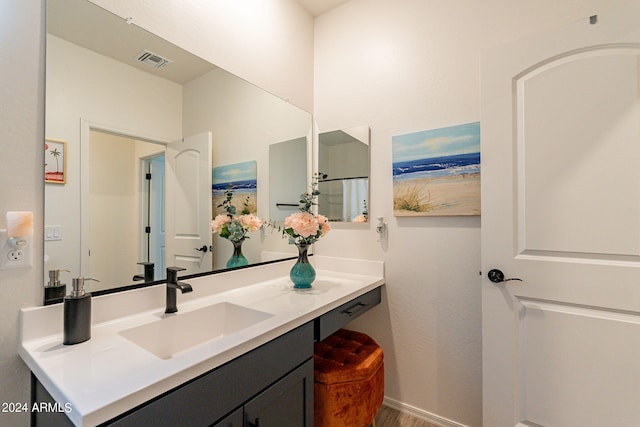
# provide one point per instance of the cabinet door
(289, 402)
(232, 420)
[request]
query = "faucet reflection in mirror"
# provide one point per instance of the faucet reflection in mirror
(235, 227)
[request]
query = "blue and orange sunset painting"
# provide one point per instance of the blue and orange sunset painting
(437, 172)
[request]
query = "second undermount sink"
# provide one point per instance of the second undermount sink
(176, 333)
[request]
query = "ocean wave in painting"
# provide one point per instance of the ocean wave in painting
(246, 186)
(460, 164)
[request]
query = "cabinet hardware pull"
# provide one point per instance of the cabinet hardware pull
(350, 311)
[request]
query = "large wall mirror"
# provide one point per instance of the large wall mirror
(145, 127)
(343, 168)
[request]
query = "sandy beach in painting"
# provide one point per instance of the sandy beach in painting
(238, 201)
(437, 172)
(445, 195)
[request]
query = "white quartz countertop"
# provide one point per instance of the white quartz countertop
(108, 375)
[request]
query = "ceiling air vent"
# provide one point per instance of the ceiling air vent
(151, 59)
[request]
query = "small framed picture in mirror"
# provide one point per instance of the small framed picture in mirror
(55, 161)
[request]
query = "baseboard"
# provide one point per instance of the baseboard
(419, 413)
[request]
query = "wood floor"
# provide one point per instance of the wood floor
(388, 417)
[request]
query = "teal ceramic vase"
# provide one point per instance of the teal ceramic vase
(237, 259)
(302, 273)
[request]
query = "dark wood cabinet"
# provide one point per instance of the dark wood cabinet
(235, 419)
(285, 403)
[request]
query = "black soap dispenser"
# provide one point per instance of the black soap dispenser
(77, 313)
(54, 291)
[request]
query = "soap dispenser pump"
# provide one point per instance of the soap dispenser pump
(77, 313)
(54, 291)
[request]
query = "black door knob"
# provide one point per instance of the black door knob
(497, 276)
(203, 249)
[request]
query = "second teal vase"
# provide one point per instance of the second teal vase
(237, 259)
(302, 273)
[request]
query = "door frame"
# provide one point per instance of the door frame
(86, 126)
(149, 214)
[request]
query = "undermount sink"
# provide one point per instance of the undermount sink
(177, 333)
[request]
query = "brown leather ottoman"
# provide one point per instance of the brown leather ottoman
(349, 380)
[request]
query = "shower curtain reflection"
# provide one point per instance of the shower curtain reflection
(354, 195)
(343, 199)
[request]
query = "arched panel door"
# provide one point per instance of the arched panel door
(561, 212)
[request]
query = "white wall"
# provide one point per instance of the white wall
(401, 67)
(21, 186)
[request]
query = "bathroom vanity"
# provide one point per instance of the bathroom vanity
(256, 370)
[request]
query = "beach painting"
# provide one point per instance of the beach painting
(243, 179)
(437, 172)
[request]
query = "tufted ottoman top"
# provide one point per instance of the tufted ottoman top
(346, 356)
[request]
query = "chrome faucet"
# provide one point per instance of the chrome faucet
(172, 285)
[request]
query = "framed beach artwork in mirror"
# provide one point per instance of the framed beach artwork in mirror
(242, 179)
(437, 172)
(235, 201)
(55, 161)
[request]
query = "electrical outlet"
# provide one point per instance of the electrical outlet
(15, 255)
(10, 257)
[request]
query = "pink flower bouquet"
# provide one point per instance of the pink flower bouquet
(305, 227)
(235, 228)
(231, 226)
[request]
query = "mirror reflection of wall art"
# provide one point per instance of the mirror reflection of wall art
(55, 161)
(437, 172)
(243, 178)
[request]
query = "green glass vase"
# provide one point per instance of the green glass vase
(302, 273)
(237, 259)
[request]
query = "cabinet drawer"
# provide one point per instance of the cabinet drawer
(330, 322)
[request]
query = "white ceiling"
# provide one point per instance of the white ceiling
(87, 25)
(318, 7)
(90, 26)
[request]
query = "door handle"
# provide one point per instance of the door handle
(497, 276)
(203, 249)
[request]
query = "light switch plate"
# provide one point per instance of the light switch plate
(11, 258)
(52, 232)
